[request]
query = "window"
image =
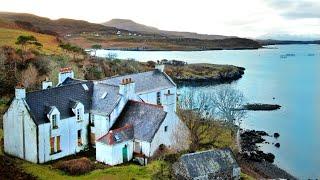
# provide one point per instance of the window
(55, 146)
(158, 98)
(52, 145)
(93, 138)
(92, 120)
(54, 121)
(165, 128)
(58, 144)
(78, 114)
(169, 91)
(79, 138)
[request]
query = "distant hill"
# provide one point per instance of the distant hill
(86, 34)
(134, 26)
(48, 26)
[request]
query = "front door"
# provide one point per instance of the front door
(125, 153)
(137, 147)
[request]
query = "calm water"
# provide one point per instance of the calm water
(293, 81)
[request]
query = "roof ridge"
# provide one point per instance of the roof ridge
(116, 76)
(57, 87)
(145, 103)
(206, 151)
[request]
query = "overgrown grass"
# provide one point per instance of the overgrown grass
(1, 136)
(122, 172)
(246, 177)
(9, 37)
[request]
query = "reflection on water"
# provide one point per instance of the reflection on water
(292, 82)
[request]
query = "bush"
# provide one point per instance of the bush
(42, 64)
(75, 166)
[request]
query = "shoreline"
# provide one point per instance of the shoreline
(255, 162)
(186, 50)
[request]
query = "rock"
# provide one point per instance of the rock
(269, 157)
(261, 107)
(277, 145)
(276, 135)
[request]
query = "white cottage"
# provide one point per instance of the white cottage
(119, 116)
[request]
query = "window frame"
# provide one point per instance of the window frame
(52, 143)
(79, 137)
(54, 120)
(165, 128)
(78, 114)
(159, 98)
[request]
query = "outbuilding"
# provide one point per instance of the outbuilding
(205, 165)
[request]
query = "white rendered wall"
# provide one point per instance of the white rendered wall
(112, 154)
(151, 97)
(17, 143)
(161, 137)
(68, 132)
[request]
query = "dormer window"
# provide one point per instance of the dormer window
(54, 121)
(53, 116)
(78, 110)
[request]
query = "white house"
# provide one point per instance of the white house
(119, 116)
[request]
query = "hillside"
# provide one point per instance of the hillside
(60, 26)
(8, 36)
(86, 34)
(134, 26)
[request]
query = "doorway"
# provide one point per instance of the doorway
(125, 153)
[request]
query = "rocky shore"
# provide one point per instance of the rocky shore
(204, 74)
(254, 161)
(261, 107)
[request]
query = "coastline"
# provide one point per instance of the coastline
(186, 49)
(255, 162)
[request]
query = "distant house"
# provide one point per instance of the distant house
(119, 116)
(212, 164)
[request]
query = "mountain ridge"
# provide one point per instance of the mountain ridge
(131, 25)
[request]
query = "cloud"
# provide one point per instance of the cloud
(297, 9)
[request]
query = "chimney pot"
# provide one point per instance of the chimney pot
(20, 91)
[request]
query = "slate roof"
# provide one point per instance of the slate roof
(69, 81)
(117, 136)
(203, 163)
(145, 118)
(105, 98)
(62, 97)
(144, 82)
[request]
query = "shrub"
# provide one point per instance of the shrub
(75, 166)
(42, 64)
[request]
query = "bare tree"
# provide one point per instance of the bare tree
(200, 111)
(29, 77)
(228, 103)
(112, 56)
(195, 112)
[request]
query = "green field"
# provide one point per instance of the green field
(122, 172)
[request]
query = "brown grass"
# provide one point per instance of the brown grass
(9, 36)
(75, 166)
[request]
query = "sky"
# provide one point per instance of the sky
(244, 18)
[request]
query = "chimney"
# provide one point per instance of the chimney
(127, 88)
(46, 84)
(20, 91)
(169, 102)
(65, 73)
(159, 66)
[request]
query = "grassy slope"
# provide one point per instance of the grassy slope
(113, 173)
(9, 37)
(1, 136)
